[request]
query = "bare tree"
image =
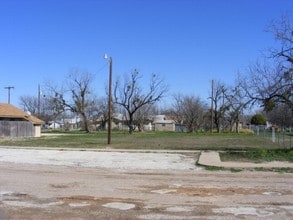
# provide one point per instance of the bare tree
(282, 31)
(40, 107)
(79, 100)
(189, 110)
(132, 96)
(143, 116)
(280, 89)
(220, 105)
(237, 101)
(175, 111)
(280, 116)
(29, 103)
(268, 85)
(103, 114)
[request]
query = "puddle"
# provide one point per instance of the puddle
(244, 211)
(177, 185)
(165, 217)
(179, 209)
(78, 205)
(11, 194)
(24, 204)
(289, 208)
(272, 193)
(164, 191)
(5, 193)
(119, 205)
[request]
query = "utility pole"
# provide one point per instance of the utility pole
(39, 100)
(9, 88)
(109, 99)
(110, 102)
(212, 107)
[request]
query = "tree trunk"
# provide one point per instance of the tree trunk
(85, 122)
(217, 123)
(130, 124)
(237, 126)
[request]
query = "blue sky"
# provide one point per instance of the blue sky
(186, 42)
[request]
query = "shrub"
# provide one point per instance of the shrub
(258, 119)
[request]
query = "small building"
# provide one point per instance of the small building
(162, 124)
(16, 123)
(55, 125)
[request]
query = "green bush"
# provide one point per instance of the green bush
(258, 119)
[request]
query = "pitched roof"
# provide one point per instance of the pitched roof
(9, 111)
(162, 119)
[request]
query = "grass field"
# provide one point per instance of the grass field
(234, 147)
(146, 140)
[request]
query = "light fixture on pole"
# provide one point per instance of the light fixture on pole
(109, 99)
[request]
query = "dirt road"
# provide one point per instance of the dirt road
(32, 191)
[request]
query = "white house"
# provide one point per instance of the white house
(161, 123)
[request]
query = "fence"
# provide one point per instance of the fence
(282, 137)
(16, 129)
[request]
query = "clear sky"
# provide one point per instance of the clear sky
(187, 42)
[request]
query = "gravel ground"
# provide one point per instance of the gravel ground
(134, 186)
(112, 160)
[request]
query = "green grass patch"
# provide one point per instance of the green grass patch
(145, 140)
(259, 169)
(278, 170)
(258, 155)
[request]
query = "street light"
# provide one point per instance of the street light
(109, 99)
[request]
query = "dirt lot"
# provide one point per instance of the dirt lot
(35, 191)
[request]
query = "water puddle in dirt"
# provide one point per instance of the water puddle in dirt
(288, 208)
(272, 193)
(79, 205)
(163, 191)
(179, 209)
(243, 211)
(159, 216)
(27, 204)
(119, 205)
(5, 193)
(23, 200)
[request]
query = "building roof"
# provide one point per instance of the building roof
(10, 111)
(161, 119)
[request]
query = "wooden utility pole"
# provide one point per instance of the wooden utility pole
(109, 99)
(212, 107)
(39, 100)
(9, 88)
(110, 102)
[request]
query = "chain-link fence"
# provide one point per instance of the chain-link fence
(282, 137)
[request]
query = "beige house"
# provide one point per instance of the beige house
(16, 123)
(161, 123)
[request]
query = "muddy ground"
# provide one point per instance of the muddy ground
(32, 191)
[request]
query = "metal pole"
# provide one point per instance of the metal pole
(110, 102)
